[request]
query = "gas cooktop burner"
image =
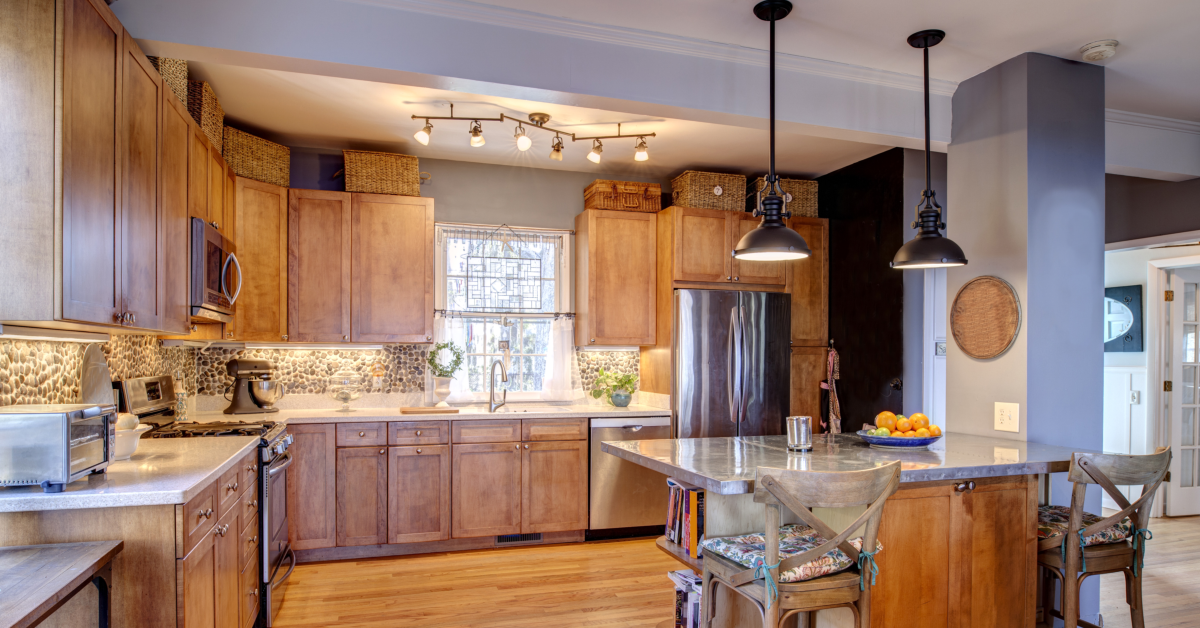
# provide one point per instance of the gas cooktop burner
(187, 430)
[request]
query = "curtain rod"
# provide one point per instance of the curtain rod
(479, 226)
(497, 314)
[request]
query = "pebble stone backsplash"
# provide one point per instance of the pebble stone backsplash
(305, 372)
(590, 363)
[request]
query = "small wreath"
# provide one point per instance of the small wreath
(448, 370)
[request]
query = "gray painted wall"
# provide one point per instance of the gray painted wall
(1142, 208)
(914, 280)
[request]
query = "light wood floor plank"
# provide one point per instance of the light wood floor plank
(1171, 584)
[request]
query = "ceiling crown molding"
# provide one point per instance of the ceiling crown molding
(660, 42)
(1151, 122)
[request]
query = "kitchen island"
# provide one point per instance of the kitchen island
(959, 536)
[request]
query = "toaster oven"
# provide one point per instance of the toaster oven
(54, 445)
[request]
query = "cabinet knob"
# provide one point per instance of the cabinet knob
(193, 329)
(231, 487)
(345, 337)
(418, 451)
(229, 335)
(737, 278)
(418, 432)
(254, 592)
(518, 446)
(361, 434)
(382, 451)
(252, 503)
(429, 337)
(729, 278)
(252, 541)
(965, 486)
(526, 446)
(215, 225)
(593, 340)
(284, 336)
(205, 514)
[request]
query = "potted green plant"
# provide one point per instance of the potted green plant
(616, 387)
(443, 371)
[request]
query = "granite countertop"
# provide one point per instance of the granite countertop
(162, 471)
(726, 466)
(474, 413)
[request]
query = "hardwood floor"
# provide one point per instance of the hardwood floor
(1171, 585)
(618, 583)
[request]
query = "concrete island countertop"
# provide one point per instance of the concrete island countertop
(162, 471)
(470, 413)
(726, 466)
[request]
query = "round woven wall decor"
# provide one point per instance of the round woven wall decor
(985, 317)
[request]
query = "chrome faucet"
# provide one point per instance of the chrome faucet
(492, 405)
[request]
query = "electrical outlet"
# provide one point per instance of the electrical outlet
(1008, 417)
(1006, 455)
(1135, 397)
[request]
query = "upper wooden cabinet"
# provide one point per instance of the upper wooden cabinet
(216, 191)
(173, 208)
(809, 285)
(198, 183)
(615, 278)
(318, 266)
(392, 268)
(697, 247)
(261, 215)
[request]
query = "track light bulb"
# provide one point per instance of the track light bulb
(477, 134)
(523, 141)
(639, 150)
(423, 135)
(556, 149)
(597, 148)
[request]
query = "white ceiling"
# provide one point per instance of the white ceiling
(1156, 70)
(306, 110)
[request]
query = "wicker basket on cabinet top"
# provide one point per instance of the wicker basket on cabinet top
(206, 111)
(801, 195)
(709, 190)
(382, 173)
(255, 158)
(174, 74)
(626, 196)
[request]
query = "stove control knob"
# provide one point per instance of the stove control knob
(288, 439)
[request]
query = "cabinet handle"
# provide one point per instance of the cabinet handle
(593, 340)
(526, 446)
(253, 540)
(254, 592)
(252, 503)
(231, 487)
(284, 336)
(418, 451)
(221, 530)
(361, 434)
(253, 468)
(429, 337)
(229, 335)
(382, 451)
(193, 329)
(737, 278)
(965, 487)
(418, 432)
(205, 514)
(215, 225)
(729, 278)
(345, 337)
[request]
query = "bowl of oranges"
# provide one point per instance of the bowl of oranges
(896, 431)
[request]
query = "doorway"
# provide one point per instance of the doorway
(1183, 398)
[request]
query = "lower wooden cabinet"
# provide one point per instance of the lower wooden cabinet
(226, 588)
(311, 486)
(362, 481)
(248, 586)
(418, 492)
(554, 480)
(196, 577)
(487, 489)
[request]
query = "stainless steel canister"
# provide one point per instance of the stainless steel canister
(799, 433)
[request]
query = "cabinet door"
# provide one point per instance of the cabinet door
(418, 493)
(760, 273)
(91, 99)
(616, 274)
(810, 285)
(905, 563)
(318, 266)
(198, 162)
(173, 212)
(197, 579)
(261, 246)
(486, 490)
(554, 489)
(362, 496)
(311, 501)
(141, 257)
(216, 191)
(249, 592)
(392, 276)
(703, 244)
(809, 369)
(227, 585)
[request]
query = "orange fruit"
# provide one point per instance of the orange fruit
(885, 419)
(919, 420)
(922, 433)
(904, 425)
(935, 430)
(910, 434)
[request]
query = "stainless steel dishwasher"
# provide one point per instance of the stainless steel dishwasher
(623, 494)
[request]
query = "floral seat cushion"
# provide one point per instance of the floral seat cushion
(749, 550)
(1052, 522)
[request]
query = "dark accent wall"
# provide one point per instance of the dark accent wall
(864, 203)
(1141, 208)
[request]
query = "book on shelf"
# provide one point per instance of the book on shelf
(687, 598)
(685, 516)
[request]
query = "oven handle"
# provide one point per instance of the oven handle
(275, 470)
(291, 568)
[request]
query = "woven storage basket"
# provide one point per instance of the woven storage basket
(625, 196)
(174, 74)
(985, 317)
(709, 190)
(382, 173)
(206, 111)
(803, 195)
(255, 158)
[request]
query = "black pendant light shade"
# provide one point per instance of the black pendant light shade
(930, 249)
(772, 240)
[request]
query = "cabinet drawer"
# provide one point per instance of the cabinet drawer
(228, 488)
(249, 586)
(553, 429)
(249, 469)
(195, 519)
(485, 431)
(419, 433)
(248, 546)
(361, 434)
(248, 502)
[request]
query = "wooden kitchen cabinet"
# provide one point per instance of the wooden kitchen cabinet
(198, 181)
(486, 491)
(261, 241)
(760, 273)
(227, 581)
(808, 369)
(554, 486)
(616, 278)
(311, 486)
(809, 285)
(362, 496)
(216, 192)
(248, 589)
(695, 246)
(319, 266)
(418, 491)
(196, 576)
(173, 208)
(393, 268)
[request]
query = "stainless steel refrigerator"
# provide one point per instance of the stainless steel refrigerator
(732, 360)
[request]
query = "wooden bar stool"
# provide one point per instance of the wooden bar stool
(821, 568)
(1074, 544)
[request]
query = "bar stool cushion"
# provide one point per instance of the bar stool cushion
(749, 550)
(1052, 522)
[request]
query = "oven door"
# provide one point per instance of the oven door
(216, 275)
(278, 559)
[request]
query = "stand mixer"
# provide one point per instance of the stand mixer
(254, 392)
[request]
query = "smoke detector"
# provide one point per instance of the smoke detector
(1099, 50)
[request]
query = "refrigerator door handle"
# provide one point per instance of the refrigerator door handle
(742, 365)
(731, 379)
(739, 365)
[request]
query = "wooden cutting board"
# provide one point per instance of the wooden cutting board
(428, 410)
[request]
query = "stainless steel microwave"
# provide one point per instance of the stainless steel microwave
(54, 445)
(213, 292)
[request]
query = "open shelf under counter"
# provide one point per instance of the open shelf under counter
(675, 551)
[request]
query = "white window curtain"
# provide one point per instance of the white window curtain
(453, 330)
(562, 382)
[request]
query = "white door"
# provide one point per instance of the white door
(934, 348)
(1183, 492)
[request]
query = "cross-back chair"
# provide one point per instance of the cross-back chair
(1088, 545)
(800, 491)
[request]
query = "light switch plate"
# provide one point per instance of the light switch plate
(1008, 417)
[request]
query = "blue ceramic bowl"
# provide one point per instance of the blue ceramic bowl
(621, 398)
(895, 442)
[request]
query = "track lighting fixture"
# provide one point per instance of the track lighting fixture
(639, 150)
(556, 147)
(597, 148)
(523, 141)
(477, 134)
(423, 135)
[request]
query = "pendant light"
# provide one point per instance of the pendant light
(772, 240)
(930, 249)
